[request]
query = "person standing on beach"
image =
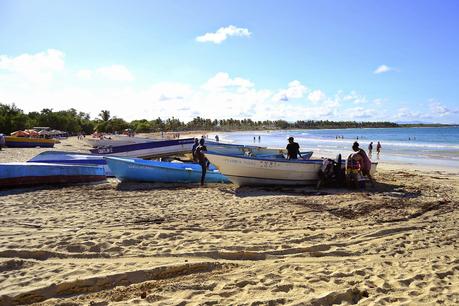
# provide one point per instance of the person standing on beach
(378, 148)
(2, 141)
(259, 138)
(370, 148)
(202, 160)
(193, 149)
(293, 149)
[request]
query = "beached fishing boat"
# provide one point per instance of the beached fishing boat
(248, 170)
(115, 140)
(71, 158)
(148, 149)
(28, 174)
(166, 172)
(28, 142)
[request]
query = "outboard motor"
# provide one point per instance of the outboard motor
(332, 173)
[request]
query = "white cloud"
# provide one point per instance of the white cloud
(40, 67)
(111, 73)
(222, 81)
(361, 113)
(115, 73)
(405, 113)
(221, 96)
(316, 96)
(383, 69)
(295, 90)
(84, 74)
(223, 33)
(355, 98)
(440, 110)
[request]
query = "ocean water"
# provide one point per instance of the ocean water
(426, 146)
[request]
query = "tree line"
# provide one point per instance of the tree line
(72, 121)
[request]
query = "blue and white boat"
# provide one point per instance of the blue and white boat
(71, 158)
(164, 172)
(28, 174)
(250, 170)
(148, 149)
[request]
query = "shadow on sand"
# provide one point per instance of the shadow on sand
(256, 191)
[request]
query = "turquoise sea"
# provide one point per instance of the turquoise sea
(425, 146)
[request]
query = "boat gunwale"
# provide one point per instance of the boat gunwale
(162, 167)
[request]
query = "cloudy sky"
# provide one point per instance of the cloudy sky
(335, 60)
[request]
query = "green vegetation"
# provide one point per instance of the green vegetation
(12, 119)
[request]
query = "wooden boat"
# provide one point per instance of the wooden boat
(148, 149)
(28, 174)
(166, 172)
(115, 140)
(247, 170)
(27, 142)
(72, 158)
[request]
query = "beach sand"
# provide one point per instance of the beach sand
(131, 243)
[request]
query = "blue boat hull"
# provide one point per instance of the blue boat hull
(27, 174)
(71, 158)
(164, 172)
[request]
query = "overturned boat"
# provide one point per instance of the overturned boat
(29, 174)
(29, 142)
(71, 158)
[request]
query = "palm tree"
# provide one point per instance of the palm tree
(105, 115)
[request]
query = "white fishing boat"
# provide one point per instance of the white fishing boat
(249, 170)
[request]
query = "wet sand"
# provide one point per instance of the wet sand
(131, 243)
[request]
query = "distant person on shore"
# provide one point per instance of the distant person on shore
(193, 149)
(259, 138)
(217, 139)
(370, 149)
(202, 160)
(378, 148)
(293, 149)
(254, 139)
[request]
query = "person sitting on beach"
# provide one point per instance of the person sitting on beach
(202, 160)
(362, 159)
(293, 149)
(193, 149)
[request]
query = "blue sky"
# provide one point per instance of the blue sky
(278, 60)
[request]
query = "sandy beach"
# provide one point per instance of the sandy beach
(130, 243)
